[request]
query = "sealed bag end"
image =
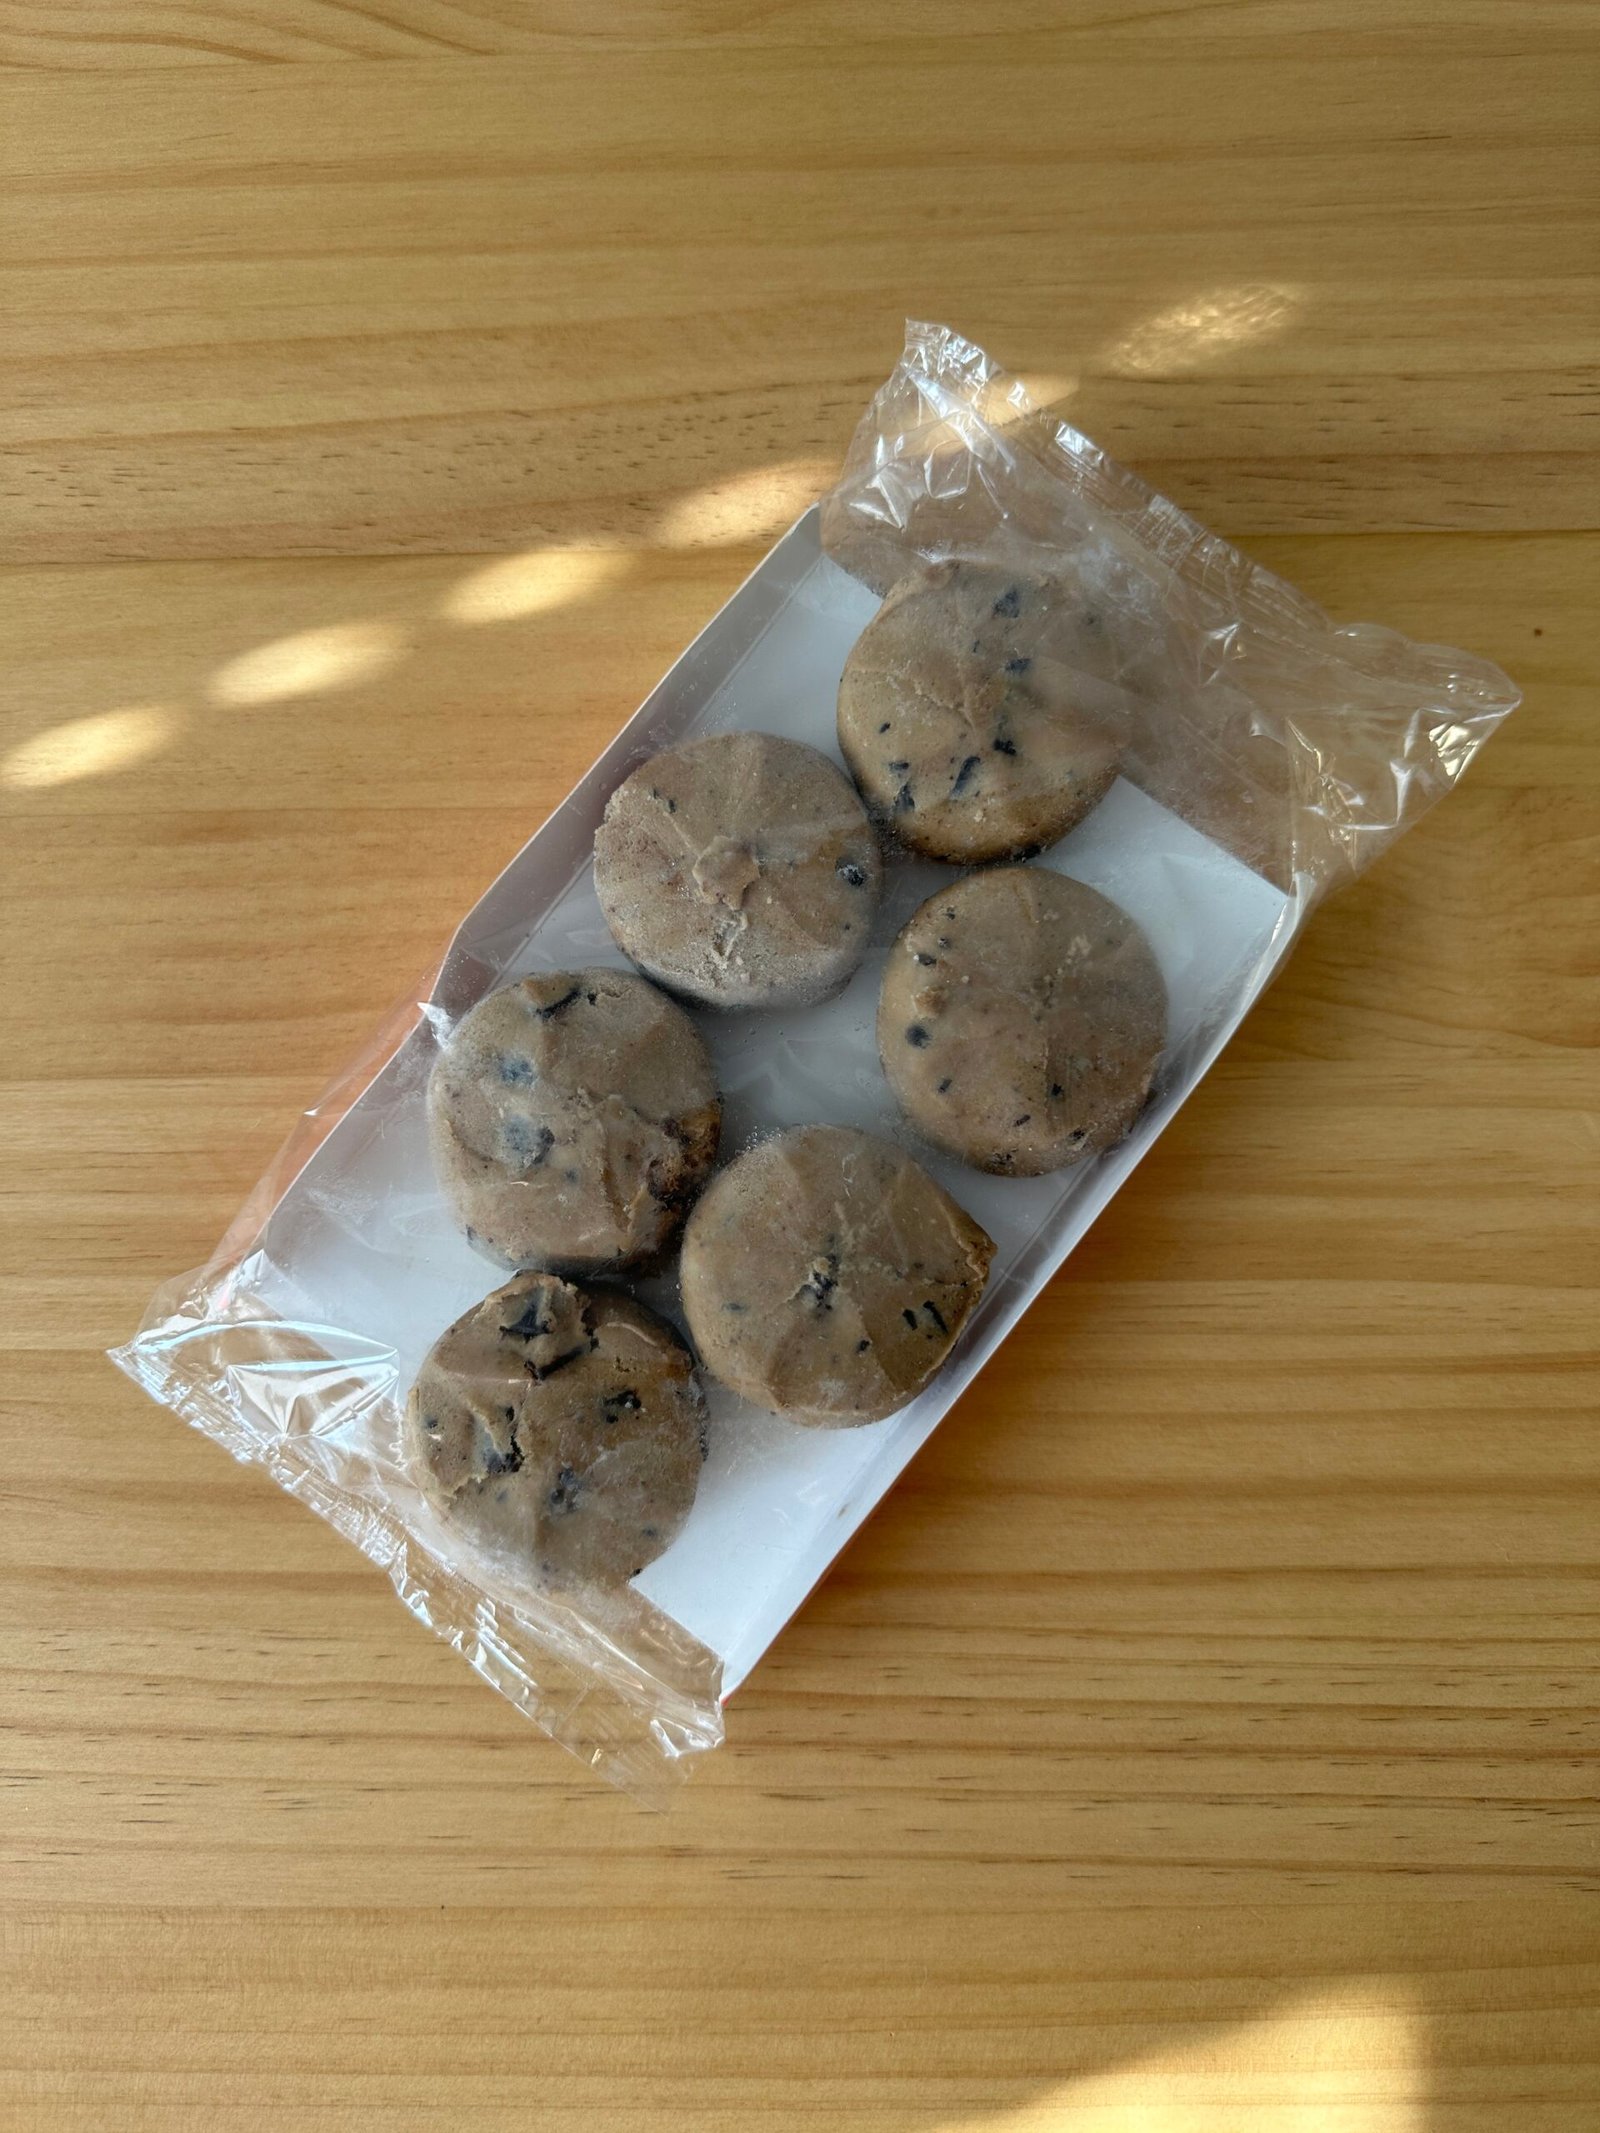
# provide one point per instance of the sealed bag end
(1301, 746)
(306, 1404)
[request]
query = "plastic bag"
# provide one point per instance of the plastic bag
(1267, 755)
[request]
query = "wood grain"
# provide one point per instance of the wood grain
(541, 292)
(1201, 1739)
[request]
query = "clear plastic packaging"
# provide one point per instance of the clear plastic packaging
(1269, 756)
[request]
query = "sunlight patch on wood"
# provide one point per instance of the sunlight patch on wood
(755, 506)
(1191, 334)
(1350, 2060)
(335, 657)
(533, 583)
(89, 747)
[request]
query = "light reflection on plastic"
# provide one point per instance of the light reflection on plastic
(1031, 392)
(1453, 744)
(89, 747)
(530, 584)
(331, 658)
(1191, 334)
(1356, 2054)
(745, 507)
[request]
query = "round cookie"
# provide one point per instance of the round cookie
(1021, 1019)
(961, 720)
(740, 870)
(564, 1425)
(826, 1276)
(573, 1116)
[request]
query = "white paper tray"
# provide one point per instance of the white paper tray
(361, 1246)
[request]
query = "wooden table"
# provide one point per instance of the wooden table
(1201, 1739)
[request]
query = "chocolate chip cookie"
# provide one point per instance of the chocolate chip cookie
(573, 1116)
(562, 1426)
(1021, 1020)
(826, 1275)
(740, 870)
(961, 715)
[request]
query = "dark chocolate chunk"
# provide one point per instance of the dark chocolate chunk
(667, 1193)
(1003, 746)
(848, 870)
(1018, 666)
(884, 727)
(616, 1403)
(910, 1318)
(555, 1006)
(496, 1462)
(936, 1315)
(823, 1281)
(904, 804)
(564, 1496)
(927, 961)
(571, 1356)
(525, 1142)
(1023, 1120)
(945, 1084)
(518, 1072)
(900, 766)
(531, 1326)
(964, 776)
(1009, 603)
(862, 1347)
(917, 1036)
